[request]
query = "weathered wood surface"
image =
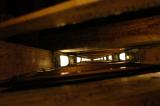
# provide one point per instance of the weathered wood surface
(141, 90)
(122, 34)
(19, 59)
(71, 12)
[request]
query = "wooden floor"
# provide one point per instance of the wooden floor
(140, 90)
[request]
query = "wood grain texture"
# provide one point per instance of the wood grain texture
(71, 12)
(141, 90)
(19, 59)
(122, 34)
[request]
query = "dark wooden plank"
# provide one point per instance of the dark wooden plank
(70, 12)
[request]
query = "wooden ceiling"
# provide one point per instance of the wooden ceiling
(94, 52)
(70, 12)
(48, 28)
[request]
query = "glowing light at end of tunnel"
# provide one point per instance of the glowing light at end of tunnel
(78, 59)
(127, 57)
(122, 56)
(123, 67)
(110, 57)
(64, 60)
(96, 59)
(86, 59)
(105, 58)
(64, 73)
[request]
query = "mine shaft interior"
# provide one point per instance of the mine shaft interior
(84, 52)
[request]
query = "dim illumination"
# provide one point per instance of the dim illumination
(127, 57)
(110, 57)
(122, 56)
(123, 67)
(64, 60)
(97, 59)
(64, 73)
(78, 59)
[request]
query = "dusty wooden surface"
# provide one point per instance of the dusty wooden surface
(102, 36)
(141, 90)
(71, 12)
(19, 59)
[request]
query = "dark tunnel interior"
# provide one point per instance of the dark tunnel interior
(101, 52)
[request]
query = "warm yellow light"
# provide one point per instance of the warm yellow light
(78, 59)
(110, 57)
(127, 57)
(64, 60)
(86, 59)
(122, 56)
(123, 67)
(97, 59)
(64, 73)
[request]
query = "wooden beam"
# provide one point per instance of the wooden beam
(18, 59)
(122, 34)
(92, 52)
(70, 12)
